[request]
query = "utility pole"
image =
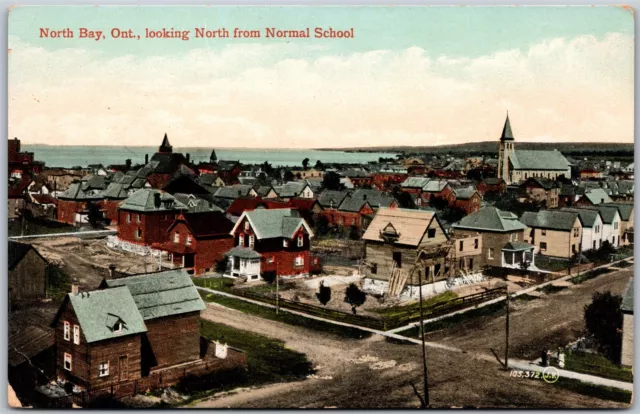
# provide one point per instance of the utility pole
(506, 348)
(277, 290)
(424, 348)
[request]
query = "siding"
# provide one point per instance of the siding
(27, 279)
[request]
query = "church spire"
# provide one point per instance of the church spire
(507, 135)
(165, 146)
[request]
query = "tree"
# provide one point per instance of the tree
(354, 296)
(319, 165)
(603, 254)
(491, 196)
(305, 163)
(331, 181)
(266, 168)
(222, 264)
(439, 203)
(269, 276)
(405, 200)
(324, 293)
(603, 319)
(288, 176)
(94, 215)
(475, 174)
(355, 233)
(322, 225)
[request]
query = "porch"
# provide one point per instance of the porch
(514, 254)
(244, 262)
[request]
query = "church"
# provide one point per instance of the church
(515, 166)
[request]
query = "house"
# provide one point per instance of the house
(589, 173)
(145, 217)
(395, 241)
(73, 204)
(31, 354)
(163, 166)
(197, 241)
(242, 204)
(626, 220)
(554, 233)
(211, 180)
(185, 183)
(503, 237)
(133, 334)
(357, 207)
(593, 197)
(43, 205)
(491, 184)
(112, 196)
(515, 166)
(17, 195)
(20, 162)
(539, 190)
(294, 189)
(310, 173)
(27, 273)
(235, 191)
(611, 223)
(270, 240)
(467, 199)
(626, 357)
(592, 227)
(465, 257)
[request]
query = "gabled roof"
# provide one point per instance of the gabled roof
(375, 198)
(544, 183)
(538, 160)
(490, 219)
(597, 196)
(17, 251)
(291, 189)
(28, 342)
(506, 135)
(75, 192)
(588, 217)
(550, 219)
(205, 225)
(353, 205)
(626, 210)
(116, 191)
(415, 182)
(94, 182)
(197, 203)
(627, 299)
(465, 193)
(302, 204)
(327, 197)
(244, 253)
(435, 186)
(145, 200)
(518, 246)
(161, 294)
(274, 223)
(98, 311)
(608, 213)
(492, 181)
(233, 191)
(410, 225)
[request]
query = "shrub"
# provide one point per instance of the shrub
(324, 293)
(354, 296)
(269, 276)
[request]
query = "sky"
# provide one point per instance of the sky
(410, 76)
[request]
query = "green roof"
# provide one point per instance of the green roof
(627, 300)
(518, 246)
(491, 219)
(275, 223)
(626, 210)
(244, 252)
(162, 294)
(99, 310)
(550, 219)
(598, 196)
(538, 160)
(145, 200)
(587, 216)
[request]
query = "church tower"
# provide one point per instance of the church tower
(505, 148)
(165, 147)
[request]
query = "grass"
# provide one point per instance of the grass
(268, 361)
(553, 265)
(223, 284)
(550, 289)
(590, 275)
(495, 309)
(592, 390)
(595, 364)
(624, 264)
(286, 317)
(399, 311)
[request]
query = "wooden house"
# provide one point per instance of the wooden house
(554, 233)
(27, 273)
(535, 189)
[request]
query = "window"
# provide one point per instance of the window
(67, 361)
(461, 245)
(188, 242)
(299, 261)
(615, 225)
(476, 244)
(137, 218)
(597, 229)
(576, 232)
(76, 334)
(176, 237)
(374, 268)
(397, 257)
(103, 370)
(128, 217)
(543, 232)
(252, 240)
(490, 253)
(431, 233)
(285, 243)
(462, 263)
(117, 327)
(594, 245)
(471, 263)
(515, 236)
(271, 259)
(246, 225)
(139, 233)
(67, 331)
(300, 240)
(241, 240)
(543, 246)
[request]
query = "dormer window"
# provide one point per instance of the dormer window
(246, 225)
(117, 327)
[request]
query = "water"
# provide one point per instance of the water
(71, 156)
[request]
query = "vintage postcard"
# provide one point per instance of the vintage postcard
(320, 207)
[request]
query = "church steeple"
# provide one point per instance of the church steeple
(165, 146)
(507, 135)
(213, 157)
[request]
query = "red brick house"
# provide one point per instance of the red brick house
(496, 185)
(21, 163)
(72, 204)
(198, 241)
(467, 199)
(135, 333)
(113, 196)
(274, 240)
(356, 208)
(145, 217)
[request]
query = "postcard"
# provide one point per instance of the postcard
(321, 207)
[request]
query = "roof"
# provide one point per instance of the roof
(491, 219)
(242, 204)
(409, 224)
(99, 310)
(161, 294)
(291, 189)
(302, 204)
(587, 216)
(626, 210)
(608, 213)
(244, 252)
(492, 181)
(28, 342)
(465, 193)
(550, 219)
(627, 299)
(352, 204)
(518, 246)
(415, 182)
(274, 223)
(44, 199)
(197, 203)
(115, 191)
(506, 135)
(375, 198)
(597, 196)
(233, 191)
(75, 192)
(545, 183)
(205, 225)
(327, 197)
(17, 251)
(538, 160)
(145, 200)
(94, 182)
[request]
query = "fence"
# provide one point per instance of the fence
(381, 323)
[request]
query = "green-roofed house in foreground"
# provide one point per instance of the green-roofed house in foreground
(135, 333)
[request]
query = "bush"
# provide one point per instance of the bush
(324, 293)
(354, 296)
(269, 276)
(603, 319)
(222, 264)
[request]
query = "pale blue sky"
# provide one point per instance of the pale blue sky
(451, 31)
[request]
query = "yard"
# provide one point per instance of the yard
(596, 364)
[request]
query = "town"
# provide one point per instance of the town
(391, 284)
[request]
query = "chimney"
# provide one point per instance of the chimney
(364, 197)
(601, 200)
(146, 159)
(188, 158)
(239, 192)
(156, 200)
(112, 271)
(75, 289)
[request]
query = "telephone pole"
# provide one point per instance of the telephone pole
(506, 348)
(424, 348)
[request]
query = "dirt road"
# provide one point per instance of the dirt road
(376, 373)
(550, 321)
